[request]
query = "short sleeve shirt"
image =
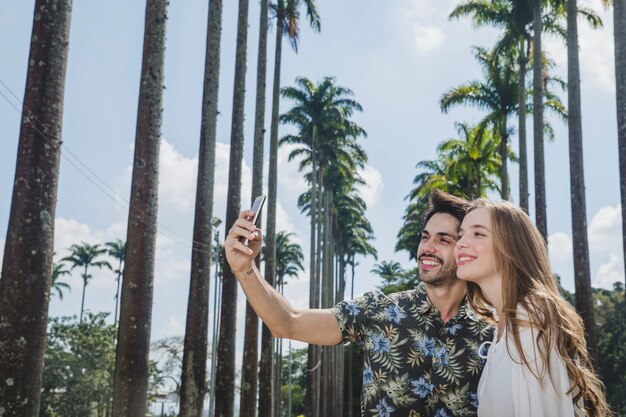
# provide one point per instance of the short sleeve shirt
(414, 364)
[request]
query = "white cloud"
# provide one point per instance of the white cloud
(560, 247)
(289, 177)
(370, 191)
(610, 272)
(561, 258)
(605, 246)
(177, 178)
(420, 24)
(605, 229)
(427, 38)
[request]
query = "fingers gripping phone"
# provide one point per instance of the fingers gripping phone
(257, 205)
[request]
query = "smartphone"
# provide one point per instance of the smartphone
(257, 205)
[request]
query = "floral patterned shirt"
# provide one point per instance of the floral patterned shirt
(414, 364)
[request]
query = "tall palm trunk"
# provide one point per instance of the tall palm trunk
(619, 22)
(27, 262)
(311, 398)
(523, 158)
(82, 301)
(540, 174)
(225, 374)
(504, 157)
(582, 273)
(117, 291)
(328, 364)
(266, 389)
(249, 372)
(130, 382)
(193, 378)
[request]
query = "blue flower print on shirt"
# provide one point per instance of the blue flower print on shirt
(384, 409)
(421, 387)
(353, 309)
(474, 399)
(381, 343)
(442, 412)
(395, 313)
(368, 376)
(426, 345)
(454, 329)
(440, 357)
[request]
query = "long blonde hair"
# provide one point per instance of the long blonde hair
(521, 258)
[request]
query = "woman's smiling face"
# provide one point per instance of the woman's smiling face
(474, 250)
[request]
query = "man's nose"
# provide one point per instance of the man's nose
(428, 247)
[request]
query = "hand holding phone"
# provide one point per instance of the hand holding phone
(257, 205)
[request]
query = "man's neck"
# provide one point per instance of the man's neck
(447, 299)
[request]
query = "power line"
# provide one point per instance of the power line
(99, 183)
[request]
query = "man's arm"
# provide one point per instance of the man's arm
(317, 326)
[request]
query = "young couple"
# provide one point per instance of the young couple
(425, 349)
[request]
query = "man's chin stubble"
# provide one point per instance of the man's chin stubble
(445, 278)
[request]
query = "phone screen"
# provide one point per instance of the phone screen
(257, 205)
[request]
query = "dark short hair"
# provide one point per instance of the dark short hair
(442, 202)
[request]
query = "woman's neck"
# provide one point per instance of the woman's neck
(492, 290)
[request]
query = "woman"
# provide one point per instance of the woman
(537, 364)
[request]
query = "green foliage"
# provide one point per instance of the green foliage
(609, 310)
(289, 257)
(326, 138)
(394, 277)
(79, 362)
(57, 286)
(294, 382)
(466, 167)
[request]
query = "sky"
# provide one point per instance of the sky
(397, 56)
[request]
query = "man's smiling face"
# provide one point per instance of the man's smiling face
(435, 253)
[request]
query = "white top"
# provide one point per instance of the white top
(508, 388)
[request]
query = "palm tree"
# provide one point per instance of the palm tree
(27, 259)
(515, 18)
(330, 157)
(464, 167)
(193, 376)
(130, 381)
(582, 273)
(225, 373)
(289, 258)
(117, 250)
(387, 269)
(84, 256)
(249, 371)
(619, 23)
(498, 94)
(287, 15)
(473, 161)
(58, 270)
(540, 182)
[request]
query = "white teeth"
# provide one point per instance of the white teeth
(465, 259)
(430, 262)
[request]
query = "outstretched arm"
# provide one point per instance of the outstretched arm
(316, 326)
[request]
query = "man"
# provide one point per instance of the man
(421, 347)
